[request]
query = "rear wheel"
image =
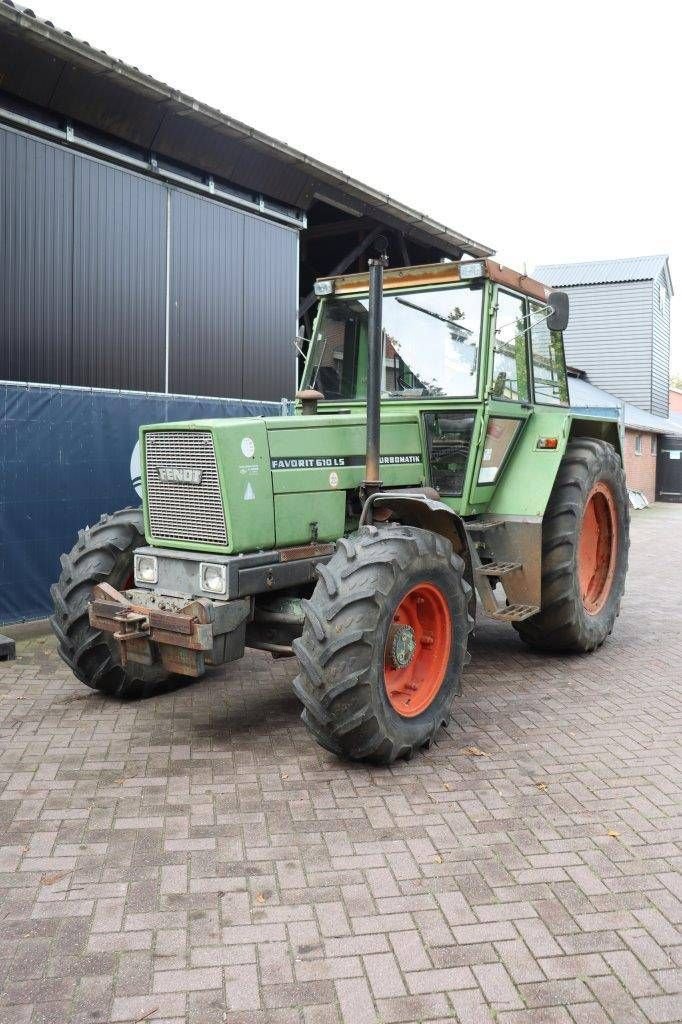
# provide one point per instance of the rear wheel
(585, 540)
(384, 643)
(102, 553)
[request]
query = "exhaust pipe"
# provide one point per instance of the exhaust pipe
(372, 481)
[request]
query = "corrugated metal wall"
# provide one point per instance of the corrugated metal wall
(119, 279)
(269, 255)
(83, 288)
(610, 337)
(207, 297)
(660, 368)
(36, 246)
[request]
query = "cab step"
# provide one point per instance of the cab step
(515, 612)
(480, 525)
(498, 568)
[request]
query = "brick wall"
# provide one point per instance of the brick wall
(675, 403)
(640, 469)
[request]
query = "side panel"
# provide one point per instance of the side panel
(509, 421)
(206, 297)
(36, 254)
(660, 356)
(244, 463)
(119, 280)
(328, 453)
(529, 474)
(300, 518)
(609, 335)
(270, 310)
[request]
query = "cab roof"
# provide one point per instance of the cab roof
(443, 273)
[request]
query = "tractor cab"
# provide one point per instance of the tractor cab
(473, 345)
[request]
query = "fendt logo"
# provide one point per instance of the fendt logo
(177, 475)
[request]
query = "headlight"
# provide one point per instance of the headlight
(146, 569)
(213, 578)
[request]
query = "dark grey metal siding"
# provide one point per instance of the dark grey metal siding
(119, 281)
(83, 293)
(207, 275)
(233, 301)
(36, 242)
(270, 287)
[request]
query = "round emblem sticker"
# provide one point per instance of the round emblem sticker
(248, 447)
(333, 479)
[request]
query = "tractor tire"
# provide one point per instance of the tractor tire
(384, 643)
(585, 542)
(102, 553)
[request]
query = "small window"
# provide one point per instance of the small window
(510, 362)
(653, 444)
(499, 438)
(638, 444)
(547, 353)
(662, 297)
(448, 436)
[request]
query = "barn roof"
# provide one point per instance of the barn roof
(47, 67)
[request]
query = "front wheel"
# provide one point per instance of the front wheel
(585, 541)
(384, 643)
(102, 553)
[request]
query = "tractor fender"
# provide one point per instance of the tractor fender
(423, 509)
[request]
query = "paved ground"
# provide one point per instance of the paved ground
(198, 858)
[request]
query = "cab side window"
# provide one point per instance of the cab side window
(549, 368)
(510, 357)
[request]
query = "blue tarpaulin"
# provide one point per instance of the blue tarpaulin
(65, 458)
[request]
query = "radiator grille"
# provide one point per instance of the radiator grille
(178, 510)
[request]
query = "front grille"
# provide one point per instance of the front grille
(179, 510)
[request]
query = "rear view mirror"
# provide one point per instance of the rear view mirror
(558, 318)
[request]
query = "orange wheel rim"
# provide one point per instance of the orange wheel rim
(417, 650)
(597, 548)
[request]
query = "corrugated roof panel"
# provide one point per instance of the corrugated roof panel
(636, 268)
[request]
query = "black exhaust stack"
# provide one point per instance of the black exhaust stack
(372, 481)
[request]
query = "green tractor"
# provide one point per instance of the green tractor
(434, 459)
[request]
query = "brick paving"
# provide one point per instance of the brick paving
(197, 857)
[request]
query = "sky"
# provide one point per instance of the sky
(547, 131)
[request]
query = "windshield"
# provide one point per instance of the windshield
(430, 340)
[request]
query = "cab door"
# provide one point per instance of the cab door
(508, 393)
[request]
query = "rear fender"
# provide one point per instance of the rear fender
(426, 513)
(604, 430)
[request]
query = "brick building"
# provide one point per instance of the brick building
(640, 454)
(675, 403)
(643, 431)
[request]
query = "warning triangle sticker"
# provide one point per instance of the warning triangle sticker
(249, 493)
